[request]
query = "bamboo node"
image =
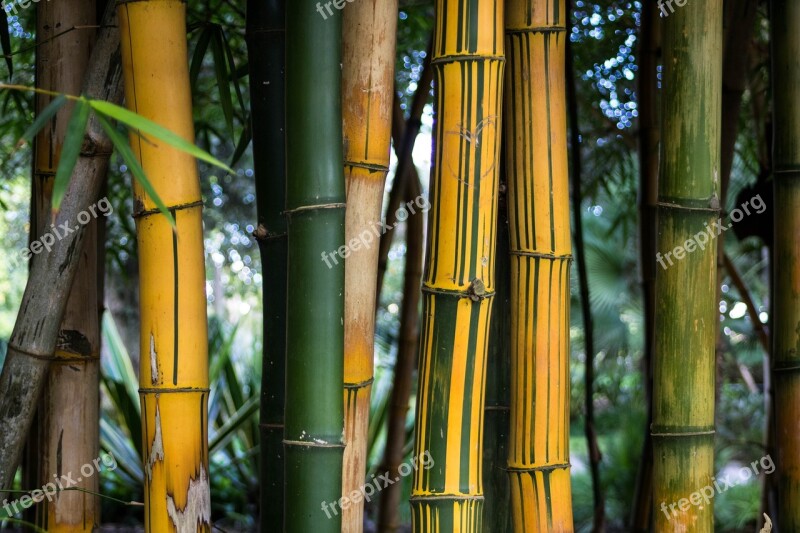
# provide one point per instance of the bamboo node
(476, 290)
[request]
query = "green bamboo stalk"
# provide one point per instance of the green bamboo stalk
(686, 280)
(315, 196)
(458, 284)
(496, 489)
(786, 337)
(266, 51)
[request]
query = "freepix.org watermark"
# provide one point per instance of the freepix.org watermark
(338, 4)
(377, 484)
(664, 4)
(59, 483)
(56, 233)
(11, 5)
(366, 237)
(705, 494)
(700, 239)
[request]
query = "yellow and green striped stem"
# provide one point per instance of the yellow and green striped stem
(173, 372)
(538, 204)
(458, 284)
(686, 313)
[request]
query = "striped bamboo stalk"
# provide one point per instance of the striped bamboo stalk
(173, 372)
(786, 338)
(368, 58)
(536, 161)
(686, 278)
(68, 411)
(315, 208)
(266, 49)
(458, 284)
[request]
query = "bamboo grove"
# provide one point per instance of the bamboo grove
(406, 354)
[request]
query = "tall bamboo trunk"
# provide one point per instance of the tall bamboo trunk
(458, 284)
(538, 204)
(786, 338)
(576, 197)
(408, 343)
(315, 208)
(68, 411)
(368, 58)
(173, 372)
(33, 341)
(497, 489)
(686, 310)
(649, 138)
(266, 51)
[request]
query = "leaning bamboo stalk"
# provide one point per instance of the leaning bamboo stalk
(368, 57)
(458, 284)
(173, 371)
(538, 203)
(68, 411)
(686, 309)
(315, 208)
(407, 344)
(33, 341)
(266, 49)
(786, 337)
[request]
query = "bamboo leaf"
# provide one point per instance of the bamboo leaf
(147, 126)
(5, 42)
(43, 118)
(232, 69)
(199, 53)
(124, 150)
(225, 433)
(244, 142)
(70, 151)
(222, 80)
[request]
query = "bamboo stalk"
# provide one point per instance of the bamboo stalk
(686, 311)
(536, 162)
(266, 49)
(458, 284)
(173, 371)
(33, 341)
(68, 417)
(408, 344)
(649, 138)
(497, 489)
(595, 456)
(785, 17)
(368, 58)
(315, 209)
(404, 149)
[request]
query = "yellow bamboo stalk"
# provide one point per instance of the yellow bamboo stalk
(368, 56)
(458, 285)
(174, 348)
(68, 411)
(538, 203)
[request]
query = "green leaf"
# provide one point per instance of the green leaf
(147, 126)
(222, 80)
(232, 69)
(199, 53)
(133, 164)
(244, 141)
(70, 151)
(5, 42)
(43, 117)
